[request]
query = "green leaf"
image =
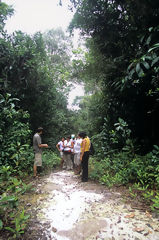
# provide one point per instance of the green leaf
(148, 40)
(155, 61)
(146, 65)
(132, 72)
(138, 68)
(10, 229)
(130, 66)
(150, 29)
(8, 198)
(1, 224)
(2, 100)
(154, 47)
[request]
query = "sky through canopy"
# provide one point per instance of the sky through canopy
(32, 16)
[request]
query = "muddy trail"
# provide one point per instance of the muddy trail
(64, 208)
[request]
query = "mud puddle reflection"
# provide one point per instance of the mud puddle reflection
(72, 210)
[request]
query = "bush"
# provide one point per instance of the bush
(122, 169)
(50, 159)
(14, 132)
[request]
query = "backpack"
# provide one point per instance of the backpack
(91, 150)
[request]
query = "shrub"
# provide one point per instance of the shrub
(14, 132)
(50, 159)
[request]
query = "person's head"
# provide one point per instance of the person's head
(82, 135)
(73, 136)
(40, 130)
(68, 138)
(63, 139)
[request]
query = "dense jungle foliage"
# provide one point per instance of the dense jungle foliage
(119, 68)
(35, 74)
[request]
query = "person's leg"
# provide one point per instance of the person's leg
(37, 162)
(64, 161)
(78, 169)
(69, 162)
(35, 170)
(85, 170)
(78, 163)
(61, 163)
(39, 170)
(75, 163)
(85, 167)
(72, 159)
(35, 167)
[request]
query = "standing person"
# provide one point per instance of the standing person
(60, 147)
(67, 153)
(72, 143)
(37, 147)
(77, 150)
(84, 156)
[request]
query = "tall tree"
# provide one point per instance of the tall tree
(29, 72)
(119, 31)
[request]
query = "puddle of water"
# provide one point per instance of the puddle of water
(85, 229)
(49, 187)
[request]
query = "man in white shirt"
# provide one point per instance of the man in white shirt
(60, 147)
(68, 146)
(77, 151)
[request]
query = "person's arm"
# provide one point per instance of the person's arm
(72, 144)
(43, 145)
(83, 149)
(57, 145)
(40, 145)
(65, 144)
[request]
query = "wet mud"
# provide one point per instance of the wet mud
(64, 208)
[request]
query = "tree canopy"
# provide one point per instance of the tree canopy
(121, 63)
(119, 69)
(36, 69)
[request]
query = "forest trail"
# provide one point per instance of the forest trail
(64, 208)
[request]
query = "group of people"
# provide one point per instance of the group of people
(74, 154)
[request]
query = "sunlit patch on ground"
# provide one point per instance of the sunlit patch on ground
(70, 210)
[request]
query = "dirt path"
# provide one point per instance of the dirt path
(63, 208)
